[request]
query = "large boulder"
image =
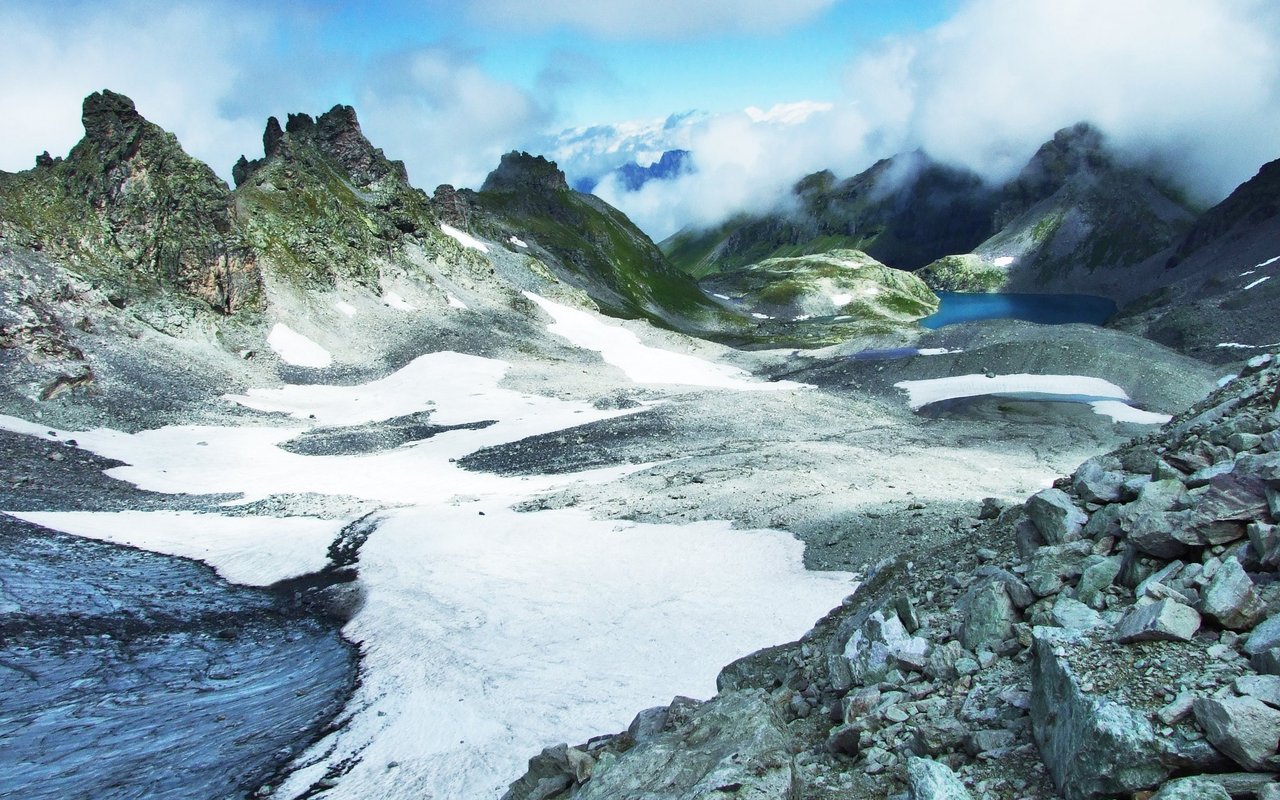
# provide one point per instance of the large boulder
(1093, 746)
(880, 645)
(1164, 620)
(1244, 728)
(932, 780)
(1056, 516)
(1195, 788)
(1230, 598)
(989, 616)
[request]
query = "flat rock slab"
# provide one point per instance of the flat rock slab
(1244, 728)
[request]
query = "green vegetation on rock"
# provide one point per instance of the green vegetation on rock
(129, 210)
(963, 273)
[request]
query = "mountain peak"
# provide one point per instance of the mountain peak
(106, 114)
(519, 171)
(337, 135)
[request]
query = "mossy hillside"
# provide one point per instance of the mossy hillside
(326, 206)
(131, 212)
(963, 273)
(839, 283)
(593, 246)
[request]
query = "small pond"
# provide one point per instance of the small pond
(1045, 309)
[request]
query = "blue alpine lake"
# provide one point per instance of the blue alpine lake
(1045, 309)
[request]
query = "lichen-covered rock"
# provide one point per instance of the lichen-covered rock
(1093, 747)
(879, 645)
(1194, 788)
(1056, 516)
(1230, 598)
(1164, 620)
(1264, 636)
(1051, 566)
(989, 616)
(932, 780)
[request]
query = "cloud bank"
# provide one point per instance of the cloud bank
(1189, 86)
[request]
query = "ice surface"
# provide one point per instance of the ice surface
(294, 348)
(256, 551)
(641, 363)
(1105, 397)
(463, 238)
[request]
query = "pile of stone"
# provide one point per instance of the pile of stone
(1118, 635)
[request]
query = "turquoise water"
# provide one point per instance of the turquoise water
(1046, 309)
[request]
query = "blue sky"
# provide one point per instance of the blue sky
(448, 86)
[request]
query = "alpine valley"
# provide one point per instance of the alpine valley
(323, 486)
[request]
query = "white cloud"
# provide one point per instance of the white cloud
(161, 56)
(450, 122)
(643, 19)
(1194, 83)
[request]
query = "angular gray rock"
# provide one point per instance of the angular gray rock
(1052, 565)
(1244, 728)
(1264, 636)
(1230, 599)
(1097, 484)
(1056, 516)
(1267, 662)
(881, 644)
(1266, 542)
(737, 738)
(931, 780)
(1260, 687)
(1096, 577)
(1093, 747)
(1166, 620)
(989, 616)
(1195, 788)
(1074, 615)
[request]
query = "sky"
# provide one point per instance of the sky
(761, 92)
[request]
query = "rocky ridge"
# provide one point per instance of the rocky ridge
(1118, 635)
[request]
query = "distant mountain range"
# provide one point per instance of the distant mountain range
(632, 176)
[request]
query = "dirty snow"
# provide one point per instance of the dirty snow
(463, 238)
(641, 363)
(255, 551)
(455, 302)
(396, 301)
(296, 349)
(937, 351)
(841, 300)
(758, 315)
(1123, 412)
(345, 308)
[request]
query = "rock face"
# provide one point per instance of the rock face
(130, 210)
(1008, 665)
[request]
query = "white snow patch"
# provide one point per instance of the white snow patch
(1225, 379)
(843, 318)
(1003, 261)
(841, 300)
(455, 302)
(937, 351)
(723, 296)
(641, 363)
(489, 637)
(296, 349)
(1239, 346)
(1263, 279)
(463, 238)
(871, 291)
(1247, 272)
(255, 551)
(1123, 412)
(518, 242)
(1268, 262)
(758, 315)
(1105, 397)
(396, 301)
(802, 318)
(345, 308)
